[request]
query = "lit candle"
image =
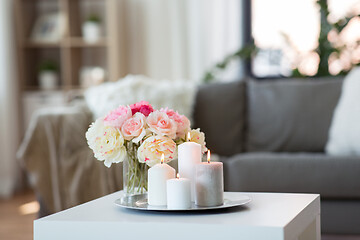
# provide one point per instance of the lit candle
(209, 183)
(178, 193)
(157, 176)
(189, 155)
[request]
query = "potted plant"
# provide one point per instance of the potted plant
(48, 75)
(91, 28)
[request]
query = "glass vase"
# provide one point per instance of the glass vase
(134, 173)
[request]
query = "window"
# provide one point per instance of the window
(286, 32)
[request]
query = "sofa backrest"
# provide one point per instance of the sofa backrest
(292, 115)
(220, 113)
(283, 115)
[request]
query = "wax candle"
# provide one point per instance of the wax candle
(178, 193)
(209, 184)
(157, 177)
(189, 155)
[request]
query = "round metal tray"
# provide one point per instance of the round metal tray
(139, 202)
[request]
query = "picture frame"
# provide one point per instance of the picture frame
(49, 28)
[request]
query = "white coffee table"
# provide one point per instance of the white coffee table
(268, 216)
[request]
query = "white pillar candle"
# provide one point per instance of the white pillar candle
(189, 155)
(157, 177)
(209, 184)
(178, 193)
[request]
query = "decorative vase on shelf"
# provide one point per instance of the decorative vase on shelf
(91, 29)
(48, 76)
(48, 80)
(134, 172)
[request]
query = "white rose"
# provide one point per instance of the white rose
(199, 137)
(152, 148)
(106, 142)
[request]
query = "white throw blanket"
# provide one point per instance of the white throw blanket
(177, 95)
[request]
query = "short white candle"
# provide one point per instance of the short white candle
(189, 155)
(178, 193)
(209, 184)
(157, 177)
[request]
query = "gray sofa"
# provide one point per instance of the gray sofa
(271, 135)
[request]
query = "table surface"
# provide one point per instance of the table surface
(281, 215)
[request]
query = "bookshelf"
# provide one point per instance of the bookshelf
(70, 52)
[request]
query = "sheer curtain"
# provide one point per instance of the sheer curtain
(9, 128)
(178, 38)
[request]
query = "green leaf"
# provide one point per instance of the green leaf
(94, 18)
(209, 77)
(48, 65)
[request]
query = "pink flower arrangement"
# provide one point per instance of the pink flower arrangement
(143, 129)
(140, 134)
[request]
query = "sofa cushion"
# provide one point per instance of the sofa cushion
(290, 115)
(332, 177)
(219, 112)
(344, 134)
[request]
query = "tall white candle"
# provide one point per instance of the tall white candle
(157, 177)
(178, 193)
(209, 184)
(189, 155)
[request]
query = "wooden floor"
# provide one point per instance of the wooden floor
(17, 216)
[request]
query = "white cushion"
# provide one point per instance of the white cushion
(178, 95)
(344, 133)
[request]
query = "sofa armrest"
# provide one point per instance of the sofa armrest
(52, 123)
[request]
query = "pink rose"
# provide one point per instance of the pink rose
(117, 117)
(182, 122)
(134, 128)
(161, 124)
(143, 107)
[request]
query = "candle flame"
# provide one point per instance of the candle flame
(178, 176)
(208, 156)
(162, 158)
(188, 137)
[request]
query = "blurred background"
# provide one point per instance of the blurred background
(51, 51)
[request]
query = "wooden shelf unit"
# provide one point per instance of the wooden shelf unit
(70, 53)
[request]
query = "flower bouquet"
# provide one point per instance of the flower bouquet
(138, 135)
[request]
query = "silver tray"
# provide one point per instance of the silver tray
(139, 202)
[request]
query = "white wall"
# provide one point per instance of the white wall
(9, 131)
